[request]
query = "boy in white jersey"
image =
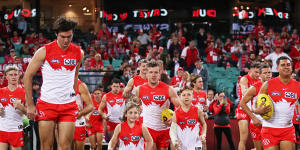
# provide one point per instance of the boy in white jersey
(60, 61)
(184, 131)
(12, 100)
(83, 98)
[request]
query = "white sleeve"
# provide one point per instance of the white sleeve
(183, 53)
(269, 57)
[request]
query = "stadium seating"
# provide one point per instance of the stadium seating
(2, 59)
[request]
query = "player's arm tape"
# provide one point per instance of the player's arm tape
(173, 133)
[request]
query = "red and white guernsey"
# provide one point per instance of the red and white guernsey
(115, 106)
(58, 73)
(137, 81)
(154, 101)
(250, 83)
(11, 119)
(187, 128)
(131, 138)
(284, 99)
(95, 116)
(199, 99)
(257, 87)
(81, 121)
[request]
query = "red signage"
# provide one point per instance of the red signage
(24, 12)
(136, 14)
(243, 14)
(205, 13)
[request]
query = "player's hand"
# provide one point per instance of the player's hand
(17, 104)
(177, 146)
(203, 138)
(31, 112)
(256, 122)
(1, 111)
(126, 95)
(88, 125)
(262, 110)
(105, 116)
(168, 122)
(79, 115)
(205, 108)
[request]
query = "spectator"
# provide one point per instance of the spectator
(201, 42)
(202, 72)
(22, 26)
(3, 50)
(272, 58)
(144, 39)
(90, 36)
(31, 39)
(41, 39)
(251, 59)
(16, 39)
(174, 47)
(258, 30)
(210, 98)
(155, 35)
(185, 80)
(190, 55)
(103, 32)
(25, 50)
(96, 63)
(175, 63)
(295, 55)
(177, 78)
(228, 45)
(221, 120)
(126, 74)
(3, 81)
(182, 39)
(212, 53)
(10, 59)
(223, 61)
(124, 39)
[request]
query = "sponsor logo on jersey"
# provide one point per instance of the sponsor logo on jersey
(82, 134)
(55, 61)
(191, 121)
(135, 138)
(266, 142)
(290, 95)
(95, 112)
(159, 97)
(12, 100)
(181, 122)
(3, 99)
(70, 62)
(146, 97)
(194, 99)
(275, 93)
(125, 138)
(81, 123)
(119, 100)
(111, 101)
(201, 99)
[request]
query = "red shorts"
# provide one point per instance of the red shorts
(255, 132)
(160, 138)
(15, 139)
(96, 128)
(111, 125)
(56, 112)
(80, 133)
(272, 136)
(241, 115)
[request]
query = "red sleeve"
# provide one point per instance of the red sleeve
(100, 34)
(173, 81)
(207, 50)
(210, 107)
(217, 109)
(227, 109)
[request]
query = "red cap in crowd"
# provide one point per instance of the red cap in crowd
(1, 74)
(297, 42)
(180, 69)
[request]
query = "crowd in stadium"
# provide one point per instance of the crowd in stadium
(181, 57)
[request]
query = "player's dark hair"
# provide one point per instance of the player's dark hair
(97, 89)
(64, 25)
(263, 66)
(255, 65)
(129, 106)
(115, 80)
(282, 58)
